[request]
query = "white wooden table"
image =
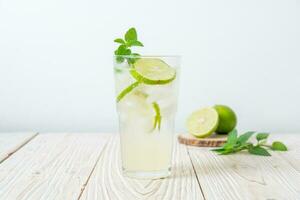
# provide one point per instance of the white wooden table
(87, 167)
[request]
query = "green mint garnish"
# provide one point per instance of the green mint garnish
(130, 40)
(119, 40)
(242, 139)
(278, 146)
(131, 35)
(258, 150)
(235, 144)
(262, 136)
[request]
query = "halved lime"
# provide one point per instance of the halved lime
(202, 123)
(152, 71)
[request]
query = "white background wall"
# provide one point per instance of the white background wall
(56, 59)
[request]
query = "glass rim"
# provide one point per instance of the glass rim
(148, 56)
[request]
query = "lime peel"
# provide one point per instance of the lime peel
(157, 118)
(148, 81)
(152, 71)
(127, 90)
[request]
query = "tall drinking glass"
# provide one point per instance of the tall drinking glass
(146, 96)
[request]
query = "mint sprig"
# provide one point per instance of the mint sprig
(124, 49)
(237, 143)
(124, 52)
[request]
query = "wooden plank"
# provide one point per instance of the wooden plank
(11, 142)
(292, 141)
(52, 166)
(244, 176)
(107, 182)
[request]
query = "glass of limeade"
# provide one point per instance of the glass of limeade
(146, 96)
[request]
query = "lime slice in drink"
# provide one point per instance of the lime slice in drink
(227, 119)
(127, 90)
(202, 123)
(157, 118)
(152, 71)
(136, 107)
(136, 104)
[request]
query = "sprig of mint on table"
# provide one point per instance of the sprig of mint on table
(237, 143)
(130, 40)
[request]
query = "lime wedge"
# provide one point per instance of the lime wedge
(152, 71)
(202, 123)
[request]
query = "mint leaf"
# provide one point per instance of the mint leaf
(124, 48)
(135, 54)
(242, 139)
(118, 70)
(131, 35)
(119, 40)
(278, 146)
(222, 151)
(120, 59)
(226, 152)
(134, 57)
(218, 150)
(120, 52)
(232, 136)
(134, 43)
(257, 150)
(231, 139)
(262, 136)
(131, 60)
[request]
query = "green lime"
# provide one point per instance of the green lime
(202, 123)
(152, 71)
(227, 119)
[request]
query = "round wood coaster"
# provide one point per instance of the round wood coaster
(214, 140)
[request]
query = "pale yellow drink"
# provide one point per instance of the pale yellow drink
(146, 152)
(146, 147)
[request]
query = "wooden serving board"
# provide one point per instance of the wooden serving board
(214, 140)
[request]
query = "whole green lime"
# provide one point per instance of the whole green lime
(227, 119)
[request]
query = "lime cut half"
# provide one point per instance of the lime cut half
(202, 123)
(152, 71)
